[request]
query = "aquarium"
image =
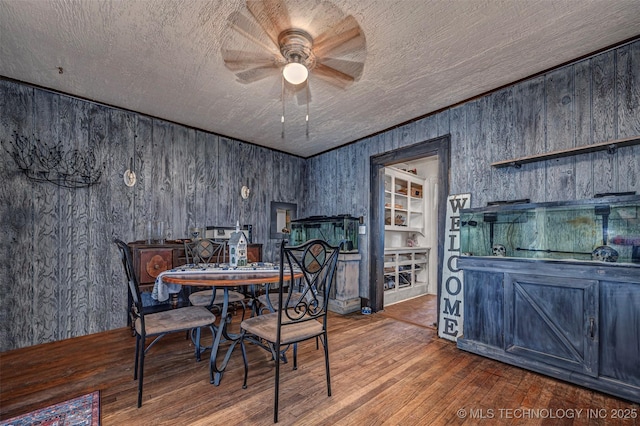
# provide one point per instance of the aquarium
(332, 229)
(601, 229)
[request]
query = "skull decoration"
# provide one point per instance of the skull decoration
(604, 254)
(499, 250)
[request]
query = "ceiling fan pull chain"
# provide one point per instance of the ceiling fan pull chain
(307, 117)
(282, 99)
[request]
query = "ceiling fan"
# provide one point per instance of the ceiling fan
(330, 45)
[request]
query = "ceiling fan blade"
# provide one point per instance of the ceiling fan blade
(347, 31)
(353, 69)
(237, 60)
(275, 91)
(251, 31)
(324, 14)
(302, 94)
(301, 97)
(257, 73)
(271, 15)
(290, 91)
(333, 76)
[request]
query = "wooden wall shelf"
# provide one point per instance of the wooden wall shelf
(610, 146)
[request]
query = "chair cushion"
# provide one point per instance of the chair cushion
(203, 298)
(273, 297)
(265, 326)
(175, 320)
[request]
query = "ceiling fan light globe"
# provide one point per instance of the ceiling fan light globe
(295, 73)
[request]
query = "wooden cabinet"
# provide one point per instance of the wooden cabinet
(151, 262)
(151, 259)
(344, 297)
(254, 253)
(552, 320)
(575, 321)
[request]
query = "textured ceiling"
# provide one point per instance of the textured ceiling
(164, 58)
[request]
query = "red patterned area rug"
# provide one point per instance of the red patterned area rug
(83, 410)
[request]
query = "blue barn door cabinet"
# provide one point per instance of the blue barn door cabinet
(547, 300)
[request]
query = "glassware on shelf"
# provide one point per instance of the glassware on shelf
(158, 232)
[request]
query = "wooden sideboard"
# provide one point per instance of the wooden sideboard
(149, 260)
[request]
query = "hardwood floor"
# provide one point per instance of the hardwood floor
(386, 368)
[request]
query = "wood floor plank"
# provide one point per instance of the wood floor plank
(386, 369)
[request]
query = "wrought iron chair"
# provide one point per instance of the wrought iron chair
(204, 250)
(208, 251)
(268, 301)
(158, 324)
(301, 315)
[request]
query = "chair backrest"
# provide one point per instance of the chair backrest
(205, 250)
(316, 262)
(132, 281)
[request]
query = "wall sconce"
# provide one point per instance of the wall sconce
(244, 192)
(130, 175)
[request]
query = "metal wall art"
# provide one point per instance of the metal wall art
(42, 162)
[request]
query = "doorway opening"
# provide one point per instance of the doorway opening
(410, 229)
(436, 153)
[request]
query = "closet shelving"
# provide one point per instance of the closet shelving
(403, 201)
(405, 264)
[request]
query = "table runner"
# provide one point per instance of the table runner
(162, 290)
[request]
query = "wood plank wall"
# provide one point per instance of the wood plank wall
(60, 275)
(590, 101)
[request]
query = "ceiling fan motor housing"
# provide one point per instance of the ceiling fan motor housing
(296, 46)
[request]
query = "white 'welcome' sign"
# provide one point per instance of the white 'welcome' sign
(451, 313)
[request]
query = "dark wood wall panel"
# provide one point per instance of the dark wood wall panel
(479, 131)
(73, 227)
(583, 169)
(228, 156)
(285, 182)
(312, 194)
(529, 136)
(17, 218)
(560, 173)
(590, 101)
(206, 181)
(160, 160)
(460, 172)
(628, 113)
(49, 232)
(62, 278)
(503, 143)
(257, 179)
(139, 132)
(117, 203)
(97, 270)
(605, 165)
(183, 197)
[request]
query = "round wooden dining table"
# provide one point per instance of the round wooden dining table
(225, 279)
